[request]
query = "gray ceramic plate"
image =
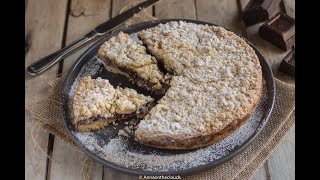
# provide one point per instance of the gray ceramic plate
(129, 156)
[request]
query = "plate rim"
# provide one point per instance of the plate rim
(194, 170)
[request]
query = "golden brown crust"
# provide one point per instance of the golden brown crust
(198, 141)
(136, 78)
(216, 86)
(130, 57)
(96, 125)
(96, 103)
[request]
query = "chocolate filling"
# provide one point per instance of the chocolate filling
(139, 113)
(133, 76)
(159, 60)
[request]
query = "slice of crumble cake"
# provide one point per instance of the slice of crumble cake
(96, 103)
(121, 54)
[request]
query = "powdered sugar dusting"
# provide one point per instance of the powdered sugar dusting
(87, 139)
(92, 67)
(118, 150)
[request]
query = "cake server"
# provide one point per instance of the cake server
(45, 63)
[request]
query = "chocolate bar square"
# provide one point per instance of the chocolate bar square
(258, 11)
(279, 31)
(288, 64)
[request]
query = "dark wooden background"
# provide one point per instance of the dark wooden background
(51, 24)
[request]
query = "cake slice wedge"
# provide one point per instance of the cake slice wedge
(121, 54)
(96, 103)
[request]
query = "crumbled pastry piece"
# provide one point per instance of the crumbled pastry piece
(216, 85)
(126, 56)
(114, 123)
(127, 129)
(123, 133)
(96, 103)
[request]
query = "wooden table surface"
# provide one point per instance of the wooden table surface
(51, 24)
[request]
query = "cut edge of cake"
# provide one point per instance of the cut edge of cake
(167, 141)
(138, 66)
(96, 103)
(172, 141)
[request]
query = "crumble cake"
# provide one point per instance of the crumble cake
(96, 103)
(216, 85)
(126, 56)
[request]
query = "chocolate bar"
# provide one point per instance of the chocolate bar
(288, 64)
(279, 31)
(258, 11)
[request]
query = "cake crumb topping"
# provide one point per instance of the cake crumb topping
(98, 99)
(130, 57)
(217, 81)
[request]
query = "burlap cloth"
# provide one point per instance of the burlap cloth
(46, 114)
